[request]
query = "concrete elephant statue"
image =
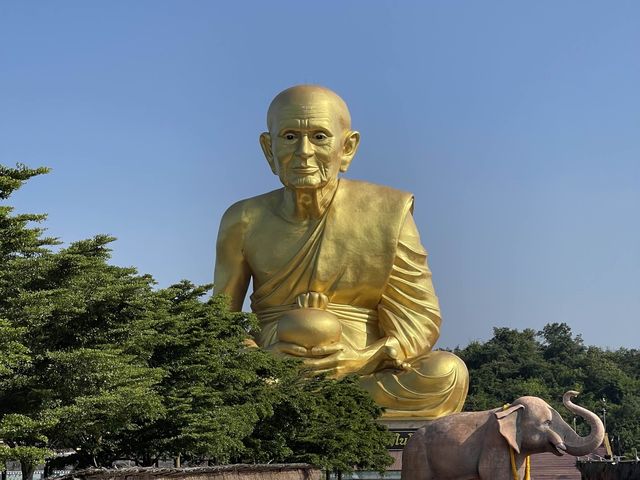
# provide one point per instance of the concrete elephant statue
(475, 445)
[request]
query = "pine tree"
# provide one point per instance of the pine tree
(70, 317)
(22, 433)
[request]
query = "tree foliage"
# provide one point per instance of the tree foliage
(233, 404)
(96, 361)
(322, 422)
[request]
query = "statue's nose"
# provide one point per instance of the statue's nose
(305, 149)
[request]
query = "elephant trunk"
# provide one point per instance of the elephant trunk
(575, 444)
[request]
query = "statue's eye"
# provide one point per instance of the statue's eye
(290, 136)
(320, 136)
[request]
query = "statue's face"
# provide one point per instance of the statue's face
(307, 144)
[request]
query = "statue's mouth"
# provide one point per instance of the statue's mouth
(305, 170)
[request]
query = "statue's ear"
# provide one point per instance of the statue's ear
(351, 142)
(508, 426)
(265, 143)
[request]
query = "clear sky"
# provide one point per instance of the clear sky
(516, 125)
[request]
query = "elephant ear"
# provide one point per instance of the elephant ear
(508, 426)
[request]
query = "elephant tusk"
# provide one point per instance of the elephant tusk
(561, 448)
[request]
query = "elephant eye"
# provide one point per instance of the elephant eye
(548, 423)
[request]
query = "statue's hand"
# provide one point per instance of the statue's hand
(250, 343)
(340, 359)
(288, 349)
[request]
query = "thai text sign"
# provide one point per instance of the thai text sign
(400, 438)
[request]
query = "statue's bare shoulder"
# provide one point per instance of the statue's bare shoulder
(243, 215)
(232, 271)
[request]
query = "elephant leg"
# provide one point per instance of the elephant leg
(496, 476)
(415, 462)
(494, 466)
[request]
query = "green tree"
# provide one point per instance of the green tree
(564, 356)
(503, 368)
(209, 389)
(323, 422)
(17, 240)
(22, 434)
(25, 441)
(70, 317)
(229, 403)
(13, 352)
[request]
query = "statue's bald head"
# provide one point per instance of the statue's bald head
(293, 99)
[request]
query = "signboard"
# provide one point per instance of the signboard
(400, 438)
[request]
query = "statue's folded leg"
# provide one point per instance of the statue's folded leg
(436, 385)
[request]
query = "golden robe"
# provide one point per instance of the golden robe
(365, 254)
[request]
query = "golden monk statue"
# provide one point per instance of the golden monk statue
(340, 277)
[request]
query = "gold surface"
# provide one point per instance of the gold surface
(339, 274)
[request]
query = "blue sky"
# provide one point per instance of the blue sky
(516, 125)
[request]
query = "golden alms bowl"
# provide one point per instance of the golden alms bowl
(309, 327)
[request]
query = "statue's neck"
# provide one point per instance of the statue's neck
(308, 203)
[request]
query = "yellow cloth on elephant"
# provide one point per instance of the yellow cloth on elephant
(365, 255)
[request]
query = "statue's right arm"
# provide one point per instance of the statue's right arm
(232, 272)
